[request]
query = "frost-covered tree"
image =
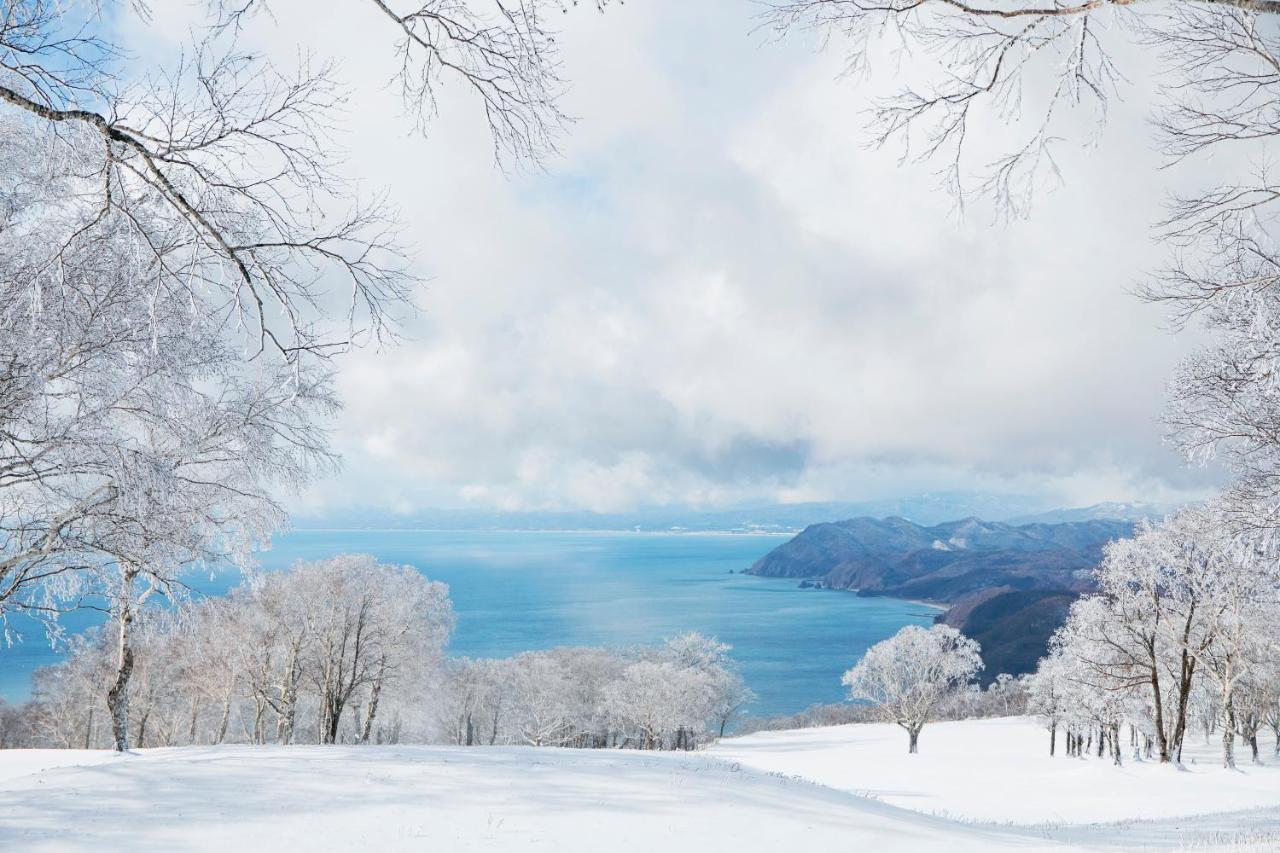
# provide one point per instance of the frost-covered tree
(908, 676)
(346, 649)
(1264, 695)
(1047, 74)
(1047, 694)
(137, 439)
(732, 698)
(541, 708)
(675, 696)
(1182, 627)
(589, 672)
(179, 258)
(476, 698)
(714, 689)
(366, 618)
(652, 699)
(1240, 588)
(146, 226)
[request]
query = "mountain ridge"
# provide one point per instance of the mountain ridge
(928, 508)
(924, 508)
(1006, 585)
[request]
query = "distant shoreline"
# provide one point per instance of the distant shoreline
(931, 604)
(776, 533)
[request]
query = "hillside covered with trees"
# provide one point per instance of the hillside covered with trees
(1006, 585)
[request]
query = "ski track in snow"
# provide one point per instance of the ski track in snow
(742, 795)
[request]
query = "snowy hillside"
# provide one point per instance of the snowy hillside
(743, 795)
(999, 770)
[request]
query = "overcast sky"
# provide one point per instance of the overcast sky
(717, 295)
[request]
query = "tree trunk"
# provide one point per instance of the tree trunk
(333, 719)
(142, 728)
(373, 709)
(913, 740)
(1053, 738)
(225, 720)
(118, 694)
(195, 718)
(259, 734)
(1162, 739)
(1228, 732)
(1186, 673)
(287, 714)
(287, 717)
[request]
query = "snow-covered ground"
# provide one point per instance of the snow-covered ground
(447, 799)
(1000, 771)
(742, 796)
(16, 763)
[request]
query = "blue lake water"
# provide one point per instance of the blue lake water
(515, 591)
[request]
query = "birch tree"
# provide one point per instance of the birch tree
(366, 616)
(356, 649)
(180, 259)
(1240, 590)
(1182, 627)
(1047, 694)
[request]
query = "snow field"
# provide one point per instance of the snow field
(977, 785)
(999, 771)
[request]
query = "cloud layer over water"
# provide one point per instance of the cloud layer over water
(719, 295)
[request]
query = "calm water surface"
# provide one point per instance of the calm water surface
(514, 591)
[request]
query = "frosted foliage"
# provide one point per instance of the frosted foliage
(160, 228)
(908, 676)
(1182, 633)
(134, 431)
(992, 92)
(675, 696)
(341, 650)
(180, 257)
(1224, 399)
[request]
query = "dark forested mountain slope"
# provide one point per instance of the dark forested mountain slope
(1012, 626)
(1009, 586)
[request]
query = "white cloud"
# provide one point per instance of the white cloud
(719, 295)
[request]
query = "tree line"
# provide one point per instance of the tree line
(1181, 635)
(1006, 696)
(675, 696)
(339, 650)
(181, 258)
(349, 650)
